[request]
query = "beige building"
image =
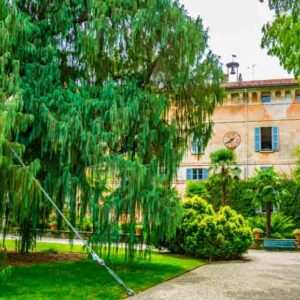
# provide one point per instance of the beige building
(260, 121)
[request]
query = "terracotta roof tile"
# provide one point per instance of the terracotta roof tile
(261, 83)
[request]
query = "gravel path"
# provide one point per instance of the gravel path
(263, 275)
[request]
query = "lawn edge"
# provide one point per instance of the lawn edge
(171, 278)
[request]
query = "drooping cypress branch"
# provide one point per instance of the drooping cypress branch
(117, 89)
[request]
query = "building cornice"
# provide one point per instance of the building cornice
(290, 82)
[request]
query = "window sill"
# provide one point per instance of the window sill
(267, 151)
(195, 179)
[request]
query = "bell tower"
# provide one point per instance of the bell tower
(233, 70)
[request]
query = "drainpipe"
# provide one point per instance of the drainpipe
(246, 101)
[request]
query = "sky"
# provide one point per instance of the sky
(235, 28)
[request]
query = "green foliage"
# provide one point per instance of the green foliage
(196, 188)
(257, 230)
(224, 172)
(281, 225)
(51, 251)
(267, 192)
(90, 90)
(19, 196)
(222, 157)
(239, 198)
(267, 187)
(296, 231)
(281, 35)
(290, 205)
(204, 233)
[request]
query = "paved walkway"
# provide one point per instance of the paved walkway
(264, 275)
(48, 240)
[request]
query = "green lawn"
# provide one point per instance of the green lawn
(86, 280)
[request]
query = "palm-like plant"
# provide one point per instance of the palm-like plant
(224, 169)
(281, 225)
(267, 193)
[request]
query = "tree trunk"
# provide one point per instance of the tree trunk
(224, 195)
(268, 219)
(224, 202)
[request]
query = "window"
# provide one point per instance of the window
(278, 95)
(262, 209)
(196, 174)
(265, 168)
(266, 139)
(265, 97)
(254, 97)
(197, 147)
(235, 98)
(288, 95)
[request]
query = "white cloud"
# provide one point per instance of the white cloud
(235, 28)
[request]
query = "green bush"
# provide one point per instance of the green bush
(296, 231)
(238, 196)
(240, 200)
(290, 206)
(205, 233)
(196, 188)
(281, 225)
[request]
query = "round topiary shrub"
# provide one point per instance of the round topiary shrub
(194, 209)
(205, 233)
(236, 234)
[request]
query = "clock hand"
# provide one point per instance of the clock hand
(232, 139)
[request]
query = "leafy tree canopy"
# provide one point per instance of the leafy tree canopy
(105, 94)
(224, 171)
(281, 36)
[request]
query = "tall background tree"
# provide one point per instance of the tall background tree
(267, 193)
(281, 36)
(224, 172)
(19, 197)
(100, 80)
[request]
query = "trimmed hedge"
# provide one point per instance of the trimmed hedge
(290, 206)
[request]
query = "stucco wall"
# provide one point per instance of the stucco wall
(243, 117)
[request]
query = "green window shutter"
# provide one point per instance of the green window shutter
(205, 174)
(275, 139)
(257, 141)
(189, 174)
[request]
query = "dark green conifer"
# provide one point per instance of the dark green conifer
(100, 79)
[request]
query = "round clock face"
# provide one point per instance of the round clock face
(232, 139)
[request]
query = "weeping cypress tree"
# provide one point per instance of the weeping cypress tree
(20, 200)
(117, 89)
